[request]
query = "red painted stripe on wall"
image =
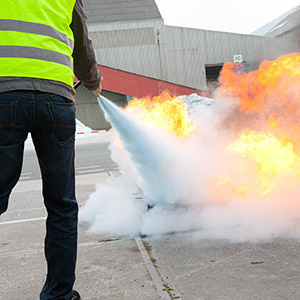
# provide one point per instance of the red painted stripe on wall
(135, 85)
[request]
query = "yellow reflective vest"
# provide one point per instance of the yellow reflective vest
(36, 40)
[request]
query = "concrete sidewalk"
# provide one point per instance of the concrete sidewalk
(220, 270)
(108, 268)
(120, 268)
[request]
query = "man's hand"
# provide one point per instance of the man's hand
(99, 89)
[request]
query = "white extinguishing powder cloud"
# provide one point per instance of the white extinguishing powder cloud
(168, 184)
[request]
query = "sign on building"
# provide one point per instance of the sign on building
(238, 58)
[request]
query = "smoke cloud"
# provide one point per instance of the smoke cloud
(168, 184)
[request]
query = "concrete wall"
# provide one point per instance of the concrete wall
(88, 110)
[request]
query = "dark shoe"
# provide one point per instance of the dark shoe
(76, 296)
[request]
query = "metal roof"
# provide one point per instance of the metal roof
(281, 25)
(104, 11)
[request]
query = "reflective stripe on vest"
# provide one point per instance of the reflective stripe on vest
(35, 53)
(30, 27)
(36, 40)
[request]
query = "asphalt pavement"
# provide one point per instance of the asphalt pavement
(174, 266)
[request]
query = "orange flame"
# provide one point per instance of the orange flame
(164, 111)
(267, 115)
(264, 89)
(270, 96)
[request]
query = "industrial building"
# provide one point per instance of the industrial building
(283, 36)
(139, 55)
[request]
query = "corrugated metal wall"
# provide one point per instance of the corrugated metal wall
(128, 46)
(174, 54)
(190, 50)
(285, 43)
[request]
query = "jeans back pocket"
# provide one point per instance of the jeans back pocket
(63, 121)
(8, 111)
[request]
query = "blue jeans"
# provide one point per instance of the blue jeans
(51, 121)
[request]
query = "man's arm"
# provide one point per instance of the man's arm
(85, 65)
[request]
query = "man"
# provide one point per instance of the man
(38, 41)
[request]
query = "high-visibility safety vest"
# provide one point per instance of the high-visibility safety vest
(36, 40)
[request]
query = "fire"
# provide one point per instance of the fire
(266, 116)
(273, 159)
(164, 111)
(270, 139)
(265, 89)
(270, 93)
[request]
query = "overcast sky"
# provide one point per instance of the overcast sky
(244, 16)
